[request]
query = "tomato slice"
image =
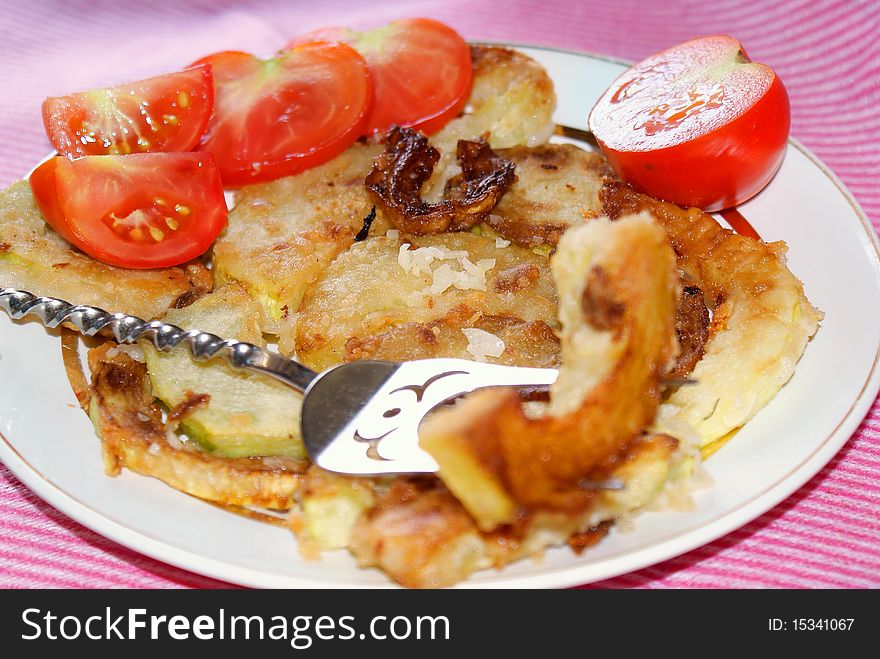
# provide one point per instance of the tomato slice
(150, 210)
(698, 124)
(421, 69)
(280, 116)
(166, 113)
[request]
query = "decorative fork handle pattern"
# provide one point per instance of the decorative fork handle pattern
(164, 336)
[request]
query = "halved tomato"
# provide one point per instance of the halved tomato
(150, 210)
(280, 116)
(165, 113)
(421, 70)
(698, 124)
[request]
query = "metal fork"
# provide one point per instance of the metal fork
(357, 418)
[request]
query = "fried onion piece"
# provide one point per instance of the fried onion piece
(692, 329)
(396, 180)
(761, 318)
(617, 297)
(133, 435)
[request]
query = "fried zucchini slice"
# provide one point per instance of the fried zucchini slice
(331, 505)
(761, 317)
(230, 412)
(35, 258)
(133, 435)
(557, 188)
(512, 100)
(283, 234)
(387, 287)
(617, 297)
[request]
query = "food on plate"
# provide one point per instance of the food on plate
(421, 71)
(698, 124)
(280, 116)
(761, 317)
(35, 258)
(396, 179)
(149, 210)
(617, 299)
(424, 286)
(512, 100)
(483, 241)
(134, 435)
(164, 113)
(229, 412)
(283, 234)
(558, 187)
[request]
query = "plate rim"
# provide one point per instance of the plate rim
(564, 576)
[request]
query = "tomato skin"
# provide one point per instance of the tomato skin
(710, 169)
(138, 211)
(421, 69)
(42, 182)
(164, 113)
(278, 117)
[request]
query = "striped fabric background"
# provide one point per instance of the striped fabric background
(826, 51)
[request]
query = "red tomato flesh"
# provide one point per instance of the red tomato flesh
(165, 113)
(277, 117)
(138, 211)
(698, 124)
(421, 70)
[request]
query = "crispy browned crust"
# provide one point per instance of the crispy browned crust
(761, 317)
(396, 180)
(134, 436)
(409, 533)
(539, 462)
(586, 539)
(423, 537)
(706, 252)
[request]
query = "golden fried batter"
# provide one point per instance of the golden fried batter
(133, 436)
(558, 187)
(283, 234)
(367, 297)
(616, 347)
(422, 536)
(761, 318)
(525, 343)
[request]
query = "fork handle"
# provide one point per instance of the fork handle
(164, 336)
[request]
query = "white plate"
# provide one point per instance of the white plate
(51, 446)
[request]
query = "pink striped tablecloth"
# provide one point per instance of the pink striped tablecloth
(827, 52)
